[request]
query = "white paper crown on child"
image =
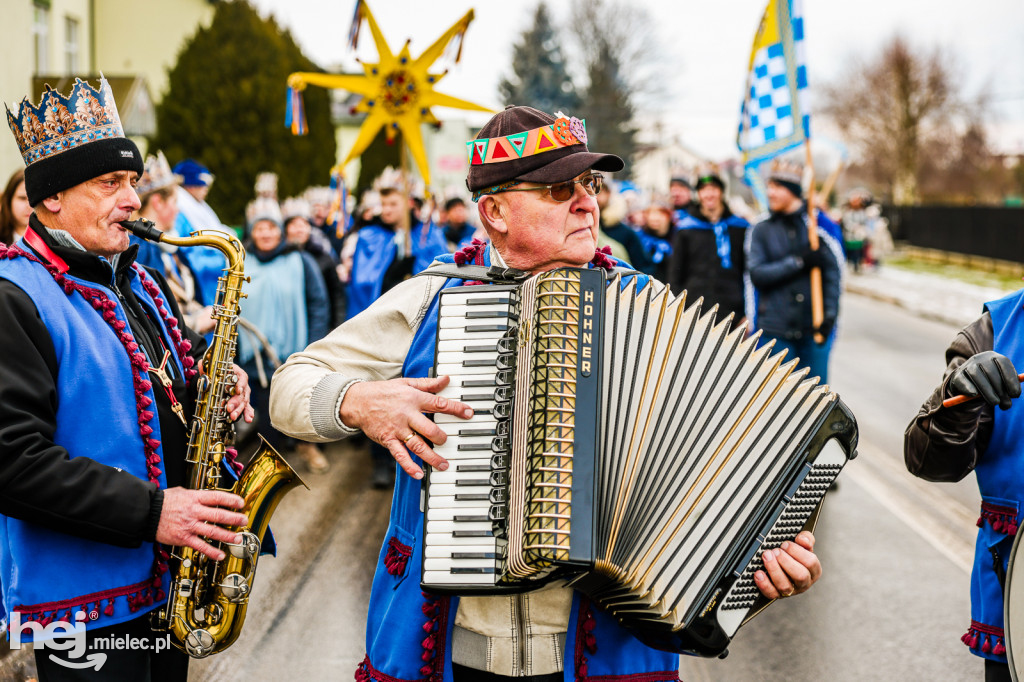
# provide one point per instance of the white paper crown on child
(390, 179)
(294, 207)
(266, 185)
(157, 175)
(318, 196)
(263, 208)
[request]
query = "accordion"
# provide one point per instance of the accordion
(627, 443)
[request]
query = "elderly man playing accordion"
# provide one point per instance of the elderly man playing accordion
(371, 375)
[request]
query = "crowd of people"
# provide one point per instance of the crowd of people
(104, 336)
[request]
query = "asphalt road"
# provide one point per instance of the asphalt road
(892, 604)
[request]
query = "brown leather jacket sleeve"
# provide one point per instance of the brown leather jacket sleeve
(945, 444)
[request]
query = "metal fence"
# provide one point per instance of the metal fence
(986, 231)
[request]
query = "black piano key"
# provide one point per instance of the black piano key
(472, 467)
(472, 534)
(482, 314)
(486, 301)
(478, 383)
(474, 555)
(479, 349)
(462, 518)
(483, 328)
(473, 571)
(478, 362)
(469, 397)
(470, 482)
(477, 432)
(475, 446)
(473, 497)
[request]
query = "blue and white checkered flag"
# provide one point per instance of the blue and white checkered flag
(774, 117)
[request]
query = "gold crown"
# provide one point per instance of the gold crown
(61, 123)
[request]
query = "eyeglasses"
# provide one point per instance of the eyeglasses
(563, 191)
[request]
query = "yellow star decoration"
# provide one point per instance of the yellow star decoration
(398, 92)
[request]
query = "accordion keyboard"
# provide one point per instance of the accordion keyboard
(460, 504)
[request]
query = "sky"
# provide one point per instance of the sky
(704, 51)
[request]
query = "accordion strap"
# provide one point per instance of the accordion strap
(497, 274)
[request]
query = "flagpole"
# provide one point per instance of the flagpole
(817, 299)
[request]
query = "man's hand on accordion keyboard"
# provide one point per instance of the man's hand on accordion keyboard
(789, 570)
(391, 413)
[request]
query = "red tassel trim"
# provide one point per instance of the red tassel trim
(985, 638)
(470, 253)
(1003, 519)
(397, 556)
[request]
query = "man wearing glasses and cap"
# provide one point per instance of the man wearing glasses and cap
(535, 184)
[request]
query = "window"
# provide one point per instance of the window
(41, 37)
(70, 46)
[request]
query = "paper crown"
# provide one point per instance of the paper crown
(295, 207)
(564, 132)
(390, 179)
(157, 175)
(266, 185)
(318, 195)
(786, 171)
(263, 208)
(61, 123)
(709, 173)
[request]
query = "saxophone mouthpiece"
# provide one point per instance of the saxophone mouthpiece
(143, 229)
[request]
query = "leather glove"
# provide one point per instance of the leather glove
(814, 258)
(989, 375)
(826, 327)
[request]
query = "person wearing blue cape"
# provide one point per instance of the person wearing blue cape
(707, 250)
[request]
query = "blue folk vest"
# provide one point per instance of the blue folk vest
(409, 632)
(47, 575)
(1001, 482)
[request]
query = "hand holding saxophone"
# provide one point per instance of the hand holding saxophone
(189, 516)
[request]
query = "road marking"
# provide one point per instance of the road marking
(942, 521)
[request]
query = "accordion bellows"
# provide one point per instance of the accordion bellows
(626, 442)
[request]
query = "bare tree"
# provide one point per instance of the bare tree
(893, 109)
(615, 39)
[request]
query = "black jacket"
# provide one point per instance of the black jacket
(39, 482)
(783, 284)
(696, 267)
(945, 444)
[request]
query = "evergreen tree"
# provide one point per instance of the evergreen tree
(539, 78)
(608, 108)
(618, 45)
(225, 108)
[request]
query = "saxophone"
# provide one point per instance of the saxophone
(207, 600)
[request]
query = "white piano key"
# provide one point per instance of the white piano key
(451, 514)
(462, 311)
(449, 502)
(453, 476)
(459, 358)
(444, 578)
(452, 526)
(464, 296)
(459, 369)
(441, 552)
(461, 346)
(447, 540)
(453, 333)
(445, 489)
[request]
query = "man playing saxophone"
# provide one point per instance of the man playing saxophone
(97, 381)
